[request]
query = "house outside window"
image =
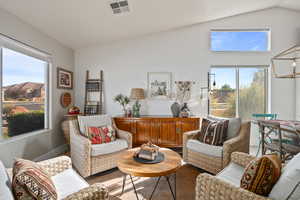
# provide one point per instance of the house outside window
(24, 89)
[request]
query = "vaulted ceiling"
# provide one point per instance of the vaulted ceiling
(80, 23)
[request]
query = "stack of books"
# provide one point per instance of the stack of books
(148, 151)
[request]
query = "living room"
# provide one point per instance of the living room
(160, 76)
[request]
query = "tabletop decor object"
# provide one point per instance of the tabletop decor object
(183, 95)
(123, 101)
(148, 152)
(64, 79)
(74, 110)
(137, 94)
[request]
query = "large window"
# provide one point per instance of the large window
(239, 91)
(240, 40)
(24, 96)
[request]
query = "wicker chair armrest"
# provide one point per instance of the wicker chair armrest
(190, 134)
(239, 143)
(242, 159)
(80, 150)
(94, 192)
(186, 136)
(126, 136)
(212, 188)
(56, 165)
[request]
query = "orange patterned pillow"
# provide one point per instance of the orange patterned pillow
(31, 182)
(261, 174)
(100, 135)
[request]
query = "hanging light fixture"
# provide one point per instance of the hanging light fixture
(208, 87)
(291, 54)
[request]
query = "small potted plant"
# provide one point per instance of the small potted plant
(123, 101)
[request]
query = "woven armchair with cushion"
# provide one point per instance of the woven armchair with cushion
(214, 158)
(227, 184)
(90, 158)
(62, 174)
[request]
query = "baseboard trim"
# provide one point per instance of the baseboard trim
(53, 153)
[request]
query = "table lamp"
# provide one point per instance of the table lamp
(137, 94)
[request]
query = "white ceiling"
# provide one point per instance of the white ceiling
(80, 23)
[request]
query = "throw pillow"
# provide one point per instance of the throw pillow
(213, 132)
(261, 174)
(30, 181)
(100, 135)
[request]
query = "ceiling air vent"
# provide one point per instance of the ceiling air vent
(119, 6)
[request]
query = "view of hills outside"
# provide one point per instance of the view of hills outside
(23, 93)
(251, 92)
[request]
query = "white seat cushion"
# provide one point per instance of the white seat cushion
(207, 149)
(5, 184)
(107, 148)
(232, 174)
(288, 181)
(68, 182)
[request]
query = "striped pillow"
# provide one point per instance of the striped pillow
(100, 135)
(31, 182)
(213, 132)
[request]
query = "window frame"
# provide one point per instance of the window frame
(267, 88)
(242, 30)
(20, 47)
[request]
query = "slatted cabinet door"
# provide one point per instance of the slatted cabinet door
(163, 131)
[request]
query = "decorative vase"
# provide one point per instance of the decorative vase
(184, 111)
(175, 108)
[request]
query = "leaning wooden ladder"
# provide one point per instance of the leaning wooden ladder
(93, 88)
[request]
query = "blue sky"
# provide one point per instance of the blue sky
(239, 41)
(20, 68)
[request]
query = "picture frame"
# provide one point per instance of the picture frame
(64, 79)
(159, 85)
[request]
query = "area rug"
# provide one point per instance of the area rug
(113, 180)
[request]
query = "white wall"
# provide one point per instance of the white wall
(185, 52)
(36, 145)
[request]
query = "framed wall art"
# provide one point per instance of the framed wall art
(64, 79)
(159, 85)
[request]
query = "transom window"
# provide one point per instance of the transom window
(240, 40)
(24, 91)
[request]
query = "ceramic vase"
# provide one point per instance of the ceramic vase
(175, 108)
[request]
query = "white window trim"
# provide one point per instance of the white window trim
(242, 30)
(237, 74)
(18, 46)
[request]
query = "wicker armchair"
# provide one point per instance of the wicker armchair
(82, 156)
(214, 188)
(62, 166)
(215, 164)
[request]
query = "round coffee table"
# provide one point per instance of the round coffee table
(166, 168)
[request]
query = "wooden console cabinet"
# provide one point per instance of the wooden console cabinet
(161, 130)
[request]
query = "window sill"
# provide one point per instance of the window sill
(23, 136)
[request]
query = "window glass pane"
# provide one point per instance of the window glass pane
(223, 96)
(252, 92)
(239, 40)
(23, 94)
